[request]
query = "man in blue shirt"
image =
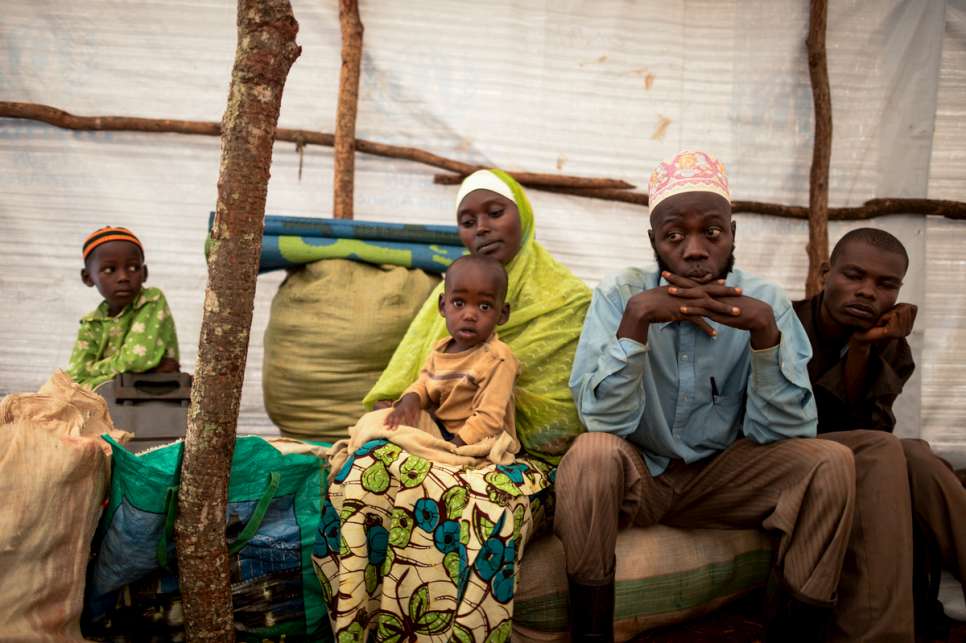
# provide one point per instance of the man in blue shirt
(689, 380)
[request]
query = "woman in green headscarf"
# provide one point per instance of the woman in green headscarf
(409, 547)
(547, 308)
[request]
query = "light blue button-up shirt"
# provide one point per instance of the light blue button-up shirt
(685, 394)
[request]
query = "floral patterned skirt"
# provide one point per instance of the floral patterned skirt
(410, 549)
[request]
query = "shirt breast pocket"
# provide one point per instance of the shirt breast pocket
(724, 419)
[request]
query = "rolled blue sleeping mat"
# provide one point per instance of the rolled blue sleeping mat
(291, 241)
(280, 225)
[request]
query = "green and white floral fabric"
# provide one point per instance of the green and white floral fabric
(133, 341)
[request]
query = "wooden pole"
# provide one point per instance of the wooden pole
(60, 118)
(590, 187)
(868, 210)
(822, 149)
(345, 120)
(265, 52)
(541, 181)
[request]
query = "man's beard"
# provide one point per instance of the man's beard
(729, 265)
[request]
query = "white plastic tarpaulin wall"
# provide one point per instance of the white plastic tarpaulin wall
(602, 88)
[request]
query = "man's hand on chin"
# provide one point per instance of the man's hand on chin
(731, 308)
(669, 303)
(895, 323)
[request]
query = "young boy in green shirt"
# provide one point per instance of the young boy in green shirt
(132, 329)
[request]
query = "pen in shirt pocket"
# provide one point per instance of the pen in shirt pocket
(714, 391)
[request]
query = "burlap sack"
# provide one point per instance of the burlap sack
(54, 477)
(62, 408)
(334, 325)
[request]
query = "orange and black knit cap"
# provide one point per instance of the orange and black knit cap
(106, 234)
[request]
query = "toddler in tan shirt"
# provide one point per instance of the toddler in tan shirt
(467, 382)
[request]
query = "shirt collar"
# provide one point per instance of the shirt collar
(813, 325)
(441, 344)
(100, 313)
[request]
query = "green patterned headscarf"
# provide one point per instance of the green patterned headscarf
(547, 308)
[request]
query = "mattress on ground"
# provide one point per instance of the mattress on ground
(664, 576)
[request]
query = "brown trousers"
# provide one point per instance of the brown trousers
(939, 504)
(804, 489)
(875, 600)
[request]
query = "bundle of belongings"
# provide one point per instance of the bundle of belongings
(109, 571)
(54, 475)
(335, 323)
(272, 520)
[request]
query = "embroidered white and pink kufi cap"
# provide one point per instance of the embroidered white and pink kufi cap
(687, 172)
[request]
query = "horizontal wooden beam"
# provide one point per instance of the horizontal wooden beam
(868, 210)
(60, 118)
(606, 189)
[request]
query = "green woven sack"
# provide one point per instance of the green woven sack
(273, 517)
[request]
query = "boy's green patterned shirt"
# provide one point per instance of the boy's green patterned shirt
(136, 340)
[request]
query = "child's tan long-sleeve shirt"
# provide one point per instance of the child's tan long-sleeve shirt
(470, 392)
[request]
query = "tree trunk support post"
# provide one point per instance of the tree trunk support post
(345, 119)
(822, 147)
(265, 52)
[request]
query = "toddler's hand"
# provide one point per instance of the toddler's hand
(406, 412)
